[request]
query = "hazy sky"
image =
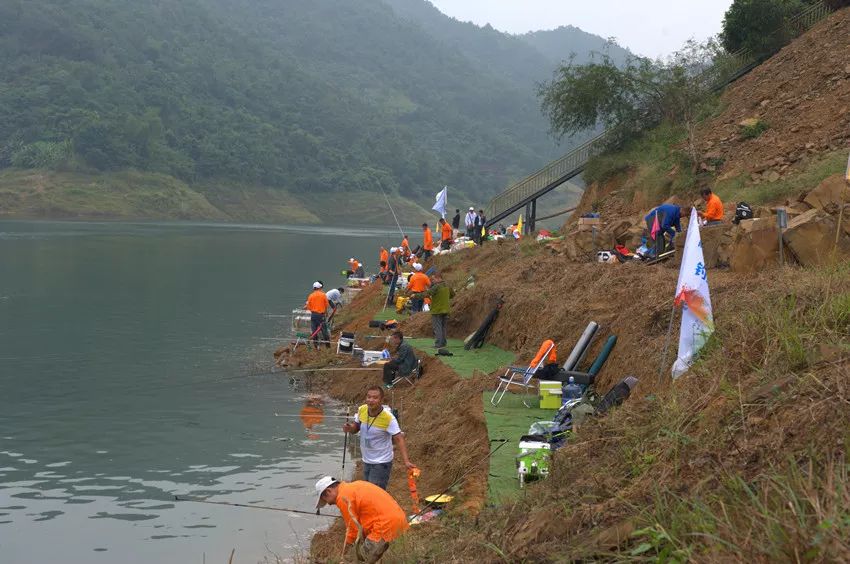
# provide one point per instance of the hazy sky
(647, 27)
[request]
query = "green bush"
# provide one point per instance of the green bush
(42, 154)
(755, 130)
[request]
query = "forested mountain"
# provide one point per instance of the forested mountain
(325, 96)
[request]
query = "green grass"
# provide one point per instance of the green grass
(129, 194)
(739, 188)
(509, 420)
(650, 159)
(486, 359)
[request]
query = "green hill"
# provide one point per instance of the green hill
(327, 97)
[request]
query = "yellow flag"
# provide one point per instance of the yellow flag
(519, 225)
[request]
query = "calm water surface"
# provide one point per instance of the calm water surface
(125, 354)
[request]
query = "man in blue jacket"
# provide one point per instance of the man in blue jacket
(669, 217)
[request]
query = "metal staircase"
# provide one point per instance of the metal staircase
(526, 192)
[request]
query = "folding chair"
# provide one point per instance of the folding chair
(514, 372)
(411, 377)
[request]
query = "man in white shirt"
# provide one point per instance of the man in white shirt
(334, 301)
(378, 430)
(469, 220)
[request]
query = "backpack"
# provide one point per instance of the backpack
(742, 211)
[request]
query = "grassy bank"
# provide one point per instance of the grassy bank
(742, 459)
(142, 195)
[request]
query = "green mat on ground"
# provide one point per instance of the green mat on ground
(509, 420)
(389, 313)
(486, 359)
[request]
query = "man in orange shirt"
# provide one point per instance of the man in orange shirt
(427, 242)
(372, 517)
(418, 282)
(445, 235)
(318, 304)
(713, 208)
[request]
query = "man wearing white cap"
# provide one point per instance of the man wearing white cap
(469, 220)
(372, 517)
(357, 270)
(317, 304)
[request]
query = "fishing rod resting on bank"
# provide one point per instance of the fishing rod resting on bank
(249, 506)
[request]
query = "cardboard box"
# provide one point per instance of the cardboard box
(588, 223)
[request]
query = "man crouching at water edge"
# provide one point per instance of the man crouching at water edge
(378, 430)
(373, 519)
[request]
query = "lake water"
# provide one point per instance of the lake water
(126, 354)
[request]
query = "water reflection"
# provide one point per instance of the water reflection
(122, 355)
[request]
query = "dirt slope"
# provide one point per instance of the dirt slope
(802, 94)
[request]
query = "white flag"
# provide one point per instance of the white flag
(440, 206)
(692, 295)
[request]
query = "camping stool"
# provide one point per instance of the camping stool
(345, 343)
(411, 377)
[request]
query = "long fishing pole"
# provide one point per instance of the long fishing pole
(302, 512)
(462, 476)
(344, 444)
(391, 210)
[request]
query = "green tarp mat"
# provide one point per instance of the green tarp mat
(465, 363)
(509, 420)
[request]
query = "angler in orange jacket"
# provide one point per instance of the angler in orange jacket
(427, 242)
(372, 517)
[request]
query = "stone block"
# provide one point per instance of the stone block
(811, 239)
(755, 246)
(829, 194)
(582, 245)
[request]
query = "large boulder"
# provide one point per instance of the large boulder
(811, 239)
(582, 245)
(755, 246)
(829, 194)
(716, 245)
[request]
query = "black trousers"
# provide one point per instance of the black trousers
(390, 370)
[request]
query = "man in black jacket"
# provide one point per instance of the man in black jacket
(456, 224)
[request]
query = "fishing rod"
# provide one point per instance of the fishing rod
(391, 209)
(462, 476)
(300, 511)
(299, 415)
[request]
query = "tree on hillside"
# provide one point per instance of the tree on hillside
(759, 25)
(626, 99)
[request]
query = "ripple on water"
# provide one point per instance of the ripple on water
(58, 464)
(123, 516)
(48, 515)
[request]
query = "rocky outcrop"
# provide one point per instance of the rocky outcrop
(755, 246)
(583, 245)
(811, 239)
(829, 194)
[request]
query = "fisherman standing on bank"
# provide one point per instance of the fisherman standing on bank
(378, 430)
(456, 224)
(367, 507)
(469, 220)
(317, 304)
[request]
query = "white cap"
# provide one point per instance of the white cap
(393, 249)
(351, 259)
(471, 208)
(321, 486)
(317, 285)
(417, 267)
